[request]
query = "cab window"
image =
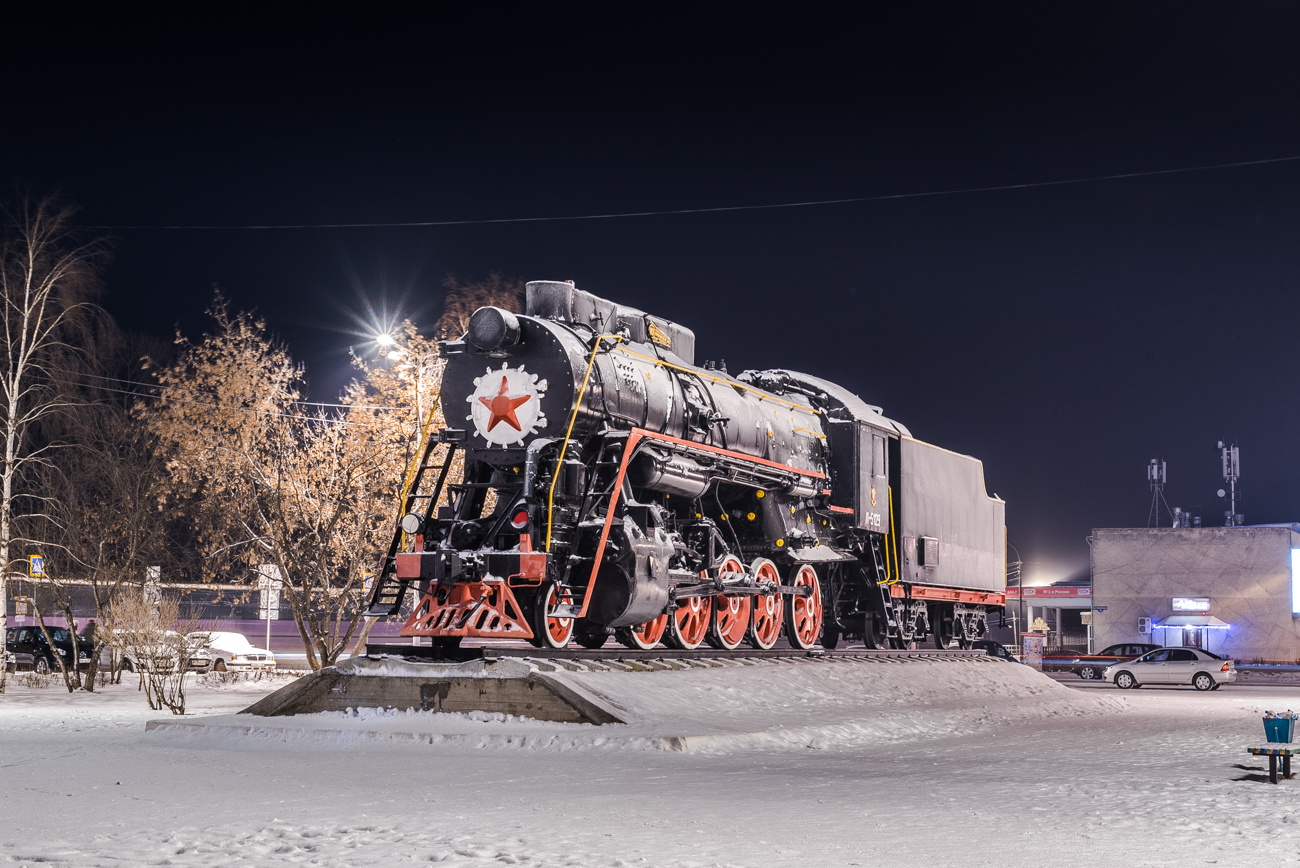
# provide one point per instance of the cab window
(1155, 657)
(25, 635)
(58, 634)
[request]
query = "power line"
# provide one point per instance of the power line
(175, 400)
(200, 391)
(722, 208)
(326, 420)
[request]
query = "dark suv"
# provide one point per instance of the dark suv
(31, 651)
(1090, 666)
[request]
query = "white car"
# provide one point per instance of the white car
(163, 654)
(233, 651)
(1201, 669)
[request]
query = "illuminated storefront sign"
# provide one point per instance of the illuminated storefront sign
(1191, 604)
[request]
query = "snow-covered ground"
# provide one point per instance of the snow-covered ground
(909, 764)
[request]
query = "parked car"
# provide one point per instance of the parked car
(1090, 666)
(31, 651)
(1201, 669)
(994, 649)
(233, 651)
(197, 659)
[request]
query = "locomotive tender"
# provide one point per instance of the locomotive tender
(613, 488)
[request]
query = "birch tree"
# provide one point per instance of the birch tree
(47, 277)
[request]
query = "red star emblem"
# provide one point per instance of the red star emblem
(503, 408)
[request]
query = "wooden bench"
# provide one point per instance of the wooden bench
(1273, 753)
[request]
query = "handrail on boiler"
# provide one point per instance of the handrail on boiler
(555, 475)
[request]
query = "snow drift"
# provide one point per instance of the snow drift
(704, 706)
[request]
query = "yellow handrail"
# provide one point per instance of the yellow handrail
(893, 537)
(890, 540)
(555, 476)
(730, 382)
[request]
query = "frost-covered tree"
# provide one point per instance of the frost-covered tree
(270, 480)
(465, 297)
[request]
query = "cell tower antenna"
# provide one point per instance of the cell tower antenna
(1156, 478)
(1231, 459)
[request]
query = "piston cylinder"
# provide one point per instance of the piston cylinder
(674, 474)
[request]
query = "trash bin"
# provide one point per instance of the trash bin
(1280, 729)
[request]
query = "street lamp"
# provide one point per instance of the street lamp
(1018, 564)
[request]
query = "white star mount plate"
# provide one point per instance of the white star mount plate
(506, 405)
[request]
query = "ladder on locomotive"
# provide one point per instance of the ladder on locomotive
(880, 561)
(389, 592)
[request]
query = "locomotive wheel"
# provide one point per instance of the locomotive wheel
(688, 625)
(943, 632)
(768, 609)
(830, 637)
(589, 635)
(553, 632)
(729, 620)
(645, 636)
(874, 633)
(803, 617)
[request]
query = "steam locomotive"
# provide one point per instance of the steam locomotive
(612, 488)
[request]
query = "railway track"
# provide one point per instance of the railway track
(624, 655)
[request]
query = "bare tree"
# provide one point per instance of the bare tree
(153, 636)
(107, 516)
(465, 297)
(57, 596)
(47, 277)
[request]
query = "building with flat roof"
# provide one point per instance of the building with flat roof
(1231, 590)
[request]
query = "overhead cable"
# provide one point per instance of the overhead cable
(713, 210)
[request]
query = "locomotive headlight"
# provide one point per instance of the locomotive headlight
(491, 328)
(411, 522)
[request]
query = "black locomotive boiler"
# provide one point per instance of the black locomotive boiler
(612, 488)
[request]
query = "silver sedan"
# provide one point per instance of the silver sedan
(1201, 669)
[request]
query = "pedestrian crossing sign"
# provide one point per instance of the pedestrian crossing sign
(36, 567)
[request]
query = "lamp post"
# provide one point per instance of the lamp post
(1020, 609)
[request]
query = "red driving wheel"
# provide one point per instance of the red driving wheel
(768, 609)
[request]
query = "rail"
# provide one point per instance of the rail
(488, 652)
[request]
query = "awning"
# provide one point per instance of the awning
(1194, 622)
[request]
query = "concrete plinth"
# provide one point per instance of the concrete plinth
(505, 686)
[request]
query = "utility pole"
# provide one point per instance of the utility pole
(1014, 569)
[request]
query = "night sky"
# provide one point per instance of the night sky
(1064, 335)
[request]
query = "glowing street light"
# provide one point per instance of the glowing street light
(385, 341)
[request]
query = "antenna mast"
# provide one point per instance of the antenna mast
(1231, 471)
(1156, 478)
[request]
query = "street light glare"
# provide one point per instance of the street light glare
(385, 340)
